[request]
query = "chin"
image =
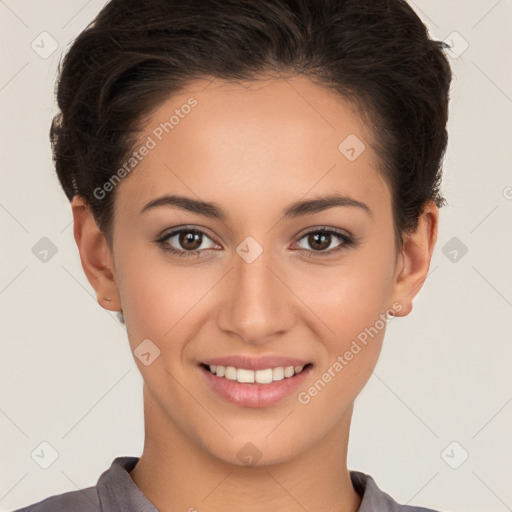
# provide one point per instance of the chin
(255, 451)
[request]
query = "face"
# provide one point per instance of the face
(254, 281)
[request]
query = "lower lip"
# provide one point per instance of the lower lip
(254, 395)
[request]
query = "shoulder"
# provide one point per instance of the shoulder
(376, 500)
(84, 500)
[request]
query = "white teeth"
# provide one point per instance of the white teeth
(289, 371)
(245, 375)
(259, 376)
(264, 376)
(278, 373)
(230, 373)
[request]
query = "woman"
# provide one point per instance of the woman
(255, 187)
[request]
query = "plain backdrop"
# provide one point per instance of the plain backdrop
(433, 425)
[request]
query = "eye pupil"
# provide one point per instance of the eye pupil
(190, 237)
(318, 239)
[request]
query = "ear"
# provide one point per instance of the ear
(95, 255)
(415, 256)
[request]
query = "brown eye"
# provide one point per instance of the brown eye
(185, 242)
(190, 240)
(321, 240)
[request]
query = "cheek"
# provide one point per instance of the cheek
(161, 298)
(351, 307)
(350, 301)
(159, 301)
(351, 297)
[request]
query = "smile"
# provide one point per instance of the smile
(264, 386)
(244, 375)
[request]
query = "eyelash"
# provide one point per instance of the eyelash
(347, 242)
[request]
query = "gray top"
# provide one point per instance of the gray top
(115, 491)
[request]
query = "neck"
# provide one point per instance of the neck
(174, 473)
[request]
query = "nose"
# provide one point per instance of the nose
(259, 304)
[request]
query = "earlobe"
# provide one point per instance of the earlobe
(416, 254)
(95, 255)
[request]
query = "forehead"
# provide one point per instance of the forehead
(266, 142)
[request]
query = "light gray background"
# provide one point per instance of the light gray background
(67, 374)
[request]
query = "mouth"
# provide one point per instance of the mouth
(247, 387)
(248, 376)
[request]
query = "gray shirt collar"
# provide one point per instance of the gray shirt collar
(118, 493)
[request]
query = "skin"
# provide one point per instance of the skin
(253, 151)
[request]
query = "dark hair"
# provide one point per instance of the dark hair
(375, 53)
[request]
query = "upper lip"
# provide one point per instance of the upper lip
(255, 363)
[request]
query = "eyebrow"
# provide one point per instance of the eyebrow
(297, 209)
